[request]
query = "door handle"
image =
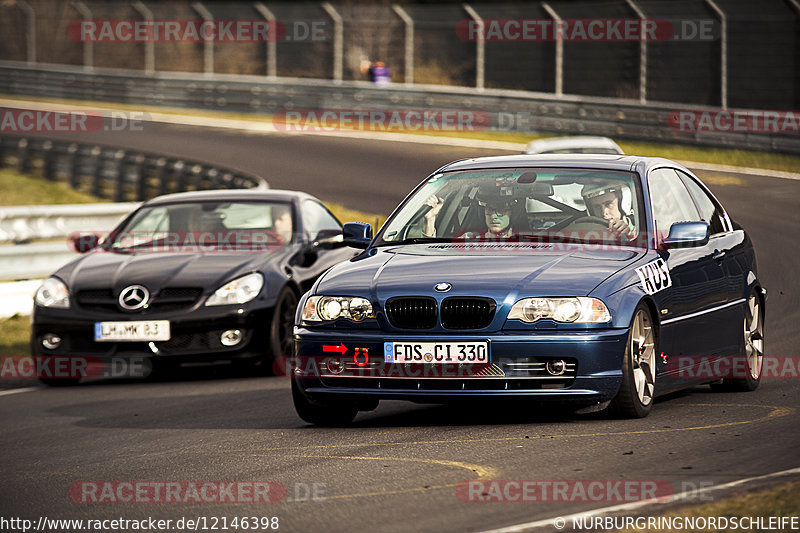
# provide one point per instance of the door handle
(718, 255)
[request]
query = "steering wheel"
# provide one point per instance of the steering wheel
(590, 220)
(579, 219)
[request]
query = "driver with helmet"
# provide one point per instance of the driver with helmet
(604, 199)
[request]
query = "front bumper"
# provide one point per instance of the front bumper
(516, 368)
(195, 334)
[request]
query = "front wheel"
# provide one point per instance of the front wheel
(319, 414)
(635, 396)
(280, 340)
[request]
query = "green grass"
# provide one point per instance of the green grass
(14, 335)
(16, 189)
(782, 500)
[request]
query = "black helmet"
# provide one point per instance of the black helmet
(497, 194)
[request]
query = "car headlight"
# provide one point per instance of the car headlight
(572, 310)
(326, 308)
(237, 291)
(52, 293)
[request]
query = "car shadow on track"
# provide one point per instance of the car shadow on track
(207, 398)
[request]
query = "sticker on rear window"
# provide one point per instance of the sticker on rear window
(654, 276)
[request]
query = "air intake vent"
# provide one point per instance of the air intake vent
(467, 313)
(412, 313)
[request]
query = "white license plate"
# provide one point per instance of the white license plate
(132, 331)
(436, 352)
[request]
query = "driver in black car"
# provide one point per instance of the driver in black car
(604, 200)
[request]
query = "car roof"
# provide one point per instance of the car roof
(229, 195)
(584, 142)
(585, 161)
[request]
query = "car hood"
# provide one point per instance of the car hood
(107, 270)
(496, 272)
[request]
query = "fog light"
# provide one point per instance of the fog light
(51, 341)
(556, 367)
(231, 337)
(334, 366)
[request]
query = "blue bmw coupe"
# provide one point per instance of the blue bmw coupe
(600, 281)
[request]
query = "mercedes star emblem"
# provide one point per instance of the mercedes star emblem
(133, 297)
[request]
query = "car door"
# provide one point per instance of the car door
(690, 321)
(729, 248)
(314, 258)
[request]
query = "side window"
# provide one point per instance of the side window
(709, 211)
(670, 199)
(316, 218)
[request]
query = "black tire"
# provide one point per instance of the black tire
(752, 350)
(338, 414)
(281, 336)
(58, 382)
(635, 396)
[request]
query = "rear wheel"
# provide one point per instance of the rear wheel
(635, 396)
(322, 414)
(752, 349)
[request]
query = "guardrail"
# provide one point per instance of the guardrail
(36, 260)
(118, 174)
(508, 110)
(21, 224)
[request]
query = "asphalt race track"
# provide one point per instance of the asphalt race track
(398, 467)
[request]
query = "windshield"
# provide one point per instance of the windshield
(526, 204)
(205, 226)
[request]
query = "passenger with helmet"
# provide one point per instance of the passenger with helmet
(604, 199)
(497, 203)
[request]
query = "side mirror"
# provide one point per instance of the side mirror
(357, 234)
(328, 238)
(84, 242)
(687, 235)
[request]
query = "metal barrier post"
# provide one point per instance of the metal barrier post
(723, 54)
(208, 44)
(49, 157)
(338, 40)
(272, 44)
(642, 53)
(73, 151)
(30, 30)
(23, 157)
(559, 48)
(88, 44)
(97, 174)
(480, 46)
(409, 44)
(149, 45)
